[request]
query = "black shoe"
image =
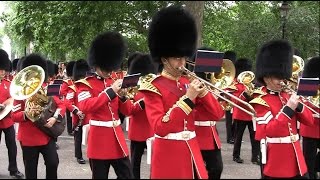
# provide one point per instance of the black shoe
(16, 175)
(231, 141)
(255, 160)
(71, 133)
(238, 159)
(81, 161)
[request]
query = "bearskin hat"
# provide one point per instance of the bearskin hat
(132, 56)
(35, 59)
(51, 68)
(14, 64)
(242, 64)
(19, 64)
(142, 64)
(172, 33)
(4, 60)
(231, 55)
(274, 59)
(56, 69)
(107, 51)
(80, 69)
(311, 68)
(69, 68)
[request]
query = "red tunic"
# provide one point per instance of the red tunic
(4, 95)
(173, 158)
(208, 135)
(275, 120)
(64, 87)
(71, 102)
(311, 131)
(139, 127)
(238, 114)
(99, 101)
(28, 133)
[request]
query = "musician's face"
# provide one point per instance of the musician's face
(103, 73)
(273, 83)
(172, 64)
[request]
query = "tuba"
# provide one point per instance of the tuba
(27, 85)
(246, 78)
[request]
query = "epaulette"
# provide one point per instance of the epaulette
(259, 100)
(85, 82)
(146, 83)
(73, 87)
(259, 91)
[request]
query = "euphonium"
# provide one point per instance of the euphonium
(297, 69)
(246, 78)
(27, 84)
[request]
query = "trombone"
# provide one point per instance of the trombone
(210, 86)
(285, 86)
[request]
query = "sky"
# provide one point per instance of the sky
(5, 39)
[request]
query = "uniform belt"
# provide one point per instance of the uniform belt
(283, 140)
(316, 115)
(114, 123)
(205, 123)
(179, 136)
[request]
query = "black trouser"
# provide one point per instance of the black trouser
(240, 127)
(213, 162)
(77, 142)
(310, 146)
(10, 138)
(229, 126)
(69, 121)
(31, 157)
(137, 150)
(100, 168)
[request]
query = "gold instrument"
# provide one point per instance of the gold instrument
(285, 86)
(315, 100)
(223, 79)
(215, 90)
(132, 91)
(291, 85)
(246, 78)
(27, 85)
(297, 68)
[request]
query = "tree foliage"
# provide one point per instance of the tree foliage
(63, 30)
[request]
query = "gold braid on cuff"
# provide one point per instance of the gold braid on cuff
(183, 105)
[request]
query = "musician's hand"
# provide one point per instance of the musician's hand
(195, 88)
(80, 114)
(123, 92)
(293, 101)
(50, 122)
(116, 86)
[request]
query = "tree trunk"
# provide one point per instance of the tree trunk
(196, 8)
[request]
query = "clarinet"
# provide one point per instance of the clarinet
(79, 124)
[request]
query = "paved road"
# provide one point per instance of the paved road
(70, 169)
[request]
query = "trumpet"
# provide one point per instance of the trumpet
(285, 86)
(209, 87)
